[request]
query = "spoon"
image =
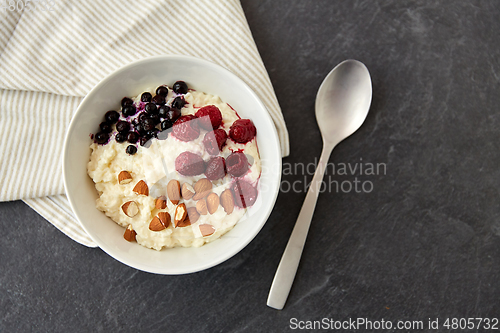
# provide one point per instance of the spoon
(342, 104)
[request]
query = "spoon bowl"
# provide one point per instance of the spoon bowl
(342, 103)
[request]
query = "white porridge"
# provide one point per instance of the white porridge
(185, 185)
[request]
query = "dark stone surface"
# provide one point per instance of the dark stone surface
(423, 244)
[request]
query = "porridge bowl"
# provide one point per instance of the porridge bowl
(123, 202)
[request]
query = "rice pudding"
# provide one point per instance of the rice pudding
(175, 167)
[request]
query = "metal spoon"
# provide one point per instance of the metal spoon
(342, 104)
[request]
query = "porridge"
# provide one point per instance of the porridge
(175, 167)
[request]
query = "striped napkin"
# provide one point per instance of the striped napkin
(52, 55)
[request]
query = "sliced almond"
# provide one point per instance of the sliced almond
(130, 208)
(174, 191)
(180, 214)
(185, 223)
(161, 202)
(227, 201)
(193, 214)
(164, 218)
(187, 191)
(201, 207)
(156, 225)
(141, 188)
(202, 188)
(207, 229)
(129, 234)
(212, 202)
(124, 177)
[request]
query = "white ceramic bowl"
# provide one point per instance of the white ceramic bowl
(132, 80)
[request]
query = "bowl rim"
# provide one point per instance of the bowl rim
(274, 141)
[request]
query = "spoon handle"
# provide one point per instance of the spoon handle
(289, 263)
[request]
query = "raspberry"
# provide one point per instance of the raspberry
(216, 168)
(245, 194)
(242, 130)
(210, 117)
(186, 128)
(237, 164)
(189, 164)
(214, 141)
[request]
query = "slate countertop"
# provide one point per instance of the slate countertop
(418, 239)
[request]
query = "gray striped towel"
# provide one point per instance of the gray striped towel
(52, 55)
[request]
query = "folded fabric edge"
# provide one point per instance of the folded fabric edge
(53, 210)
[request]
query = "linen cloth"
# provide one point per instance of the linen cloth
(50, 59)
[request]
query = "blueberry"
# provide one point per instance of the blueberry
(173, 114)
(180, 87)
(178, 102)
(140, 129)
(162, 90)
(142, 116)
(136, 121)
(101, 138)
(166, 124)
(129, 110)
(159, 99)
(112, 117)
(148, 124)
(131, 150)
(121, 137)
(105, 127)
(153, 133)
(156, 118)
(144, 141)
(122, 126)
(163, 111)
(132, 137)
(126, 101)
(151, 108)
(146, 97)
